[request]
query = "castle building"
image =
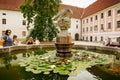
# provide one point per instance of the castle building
(101, 20)
(97, 22)
(75, 29)
(12, 18)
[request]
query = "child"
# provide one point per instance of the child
(15, 40)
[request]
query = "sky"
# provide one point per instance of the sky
(78, 3)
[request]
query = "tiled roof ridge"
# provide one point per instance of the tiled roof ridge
(72, 6)
(98, 6)
(78, 11)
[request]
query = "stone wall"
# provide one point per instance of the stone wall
(42, 46)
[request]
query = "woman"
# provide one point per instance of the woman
(7, 40)
(30, 41)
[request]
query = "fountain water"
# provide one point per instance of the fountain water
(63, 40)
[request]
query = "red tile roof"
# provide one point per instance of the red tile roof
(77, 12)
(14, 5)
(98, 6)
(10, 4)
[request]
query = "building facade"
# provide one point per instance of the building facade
(11, 18)
(102, 23)
(75, 29)
(97, 22)
(14, 21)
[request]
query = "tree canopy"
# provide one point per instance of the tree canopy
(39, 13)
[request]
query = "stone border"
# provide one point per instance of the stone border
(41, 46)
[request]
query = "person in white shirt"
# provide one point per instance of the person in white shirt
(37, 42)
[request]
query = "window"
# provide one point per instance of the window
(86, 38)
(24, 22)
(23, 33)
(86, 29)
(101, 38)
(90, 28)
(76, 21)
(3, 13)
(102, 15)
(102, 27)
(96, 17)
(76, 26)
(109, 25)
(83, 30)
(118, 10)
(118, 24)
(83, 38)
(3, 21)
(109, 13)
(86, 20)
(3, 32)
(118, 39)
(95, 38)
(95, 28)
(69, 33)
(83, 21)
(91, 19)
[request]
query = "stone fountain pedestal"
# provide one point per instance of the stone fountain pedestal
(64, 44)
(63, 40)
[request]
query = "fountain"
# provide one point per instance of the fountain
(63, 40)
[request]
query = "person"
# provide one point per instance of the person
(37, 42)
(108, 42)
(30, 41)
(7, 40)
(15, 40)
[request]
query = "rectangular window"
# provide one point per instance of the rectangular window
(24, 22)
(90, 28)
(118, 10)
(95, 28)
(102, 15)
(109, 13)
(83, 30)
(3, 21)
(3, 33)
(91, 19)
(86, 20)
(23, 33)
(109, 25)
(102, 27)
(76, 26)
(96, 17)
(118, 24)
(83, 21)
(95, 38)
(86, 29)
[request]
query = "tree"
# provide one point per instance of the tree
(40, 13)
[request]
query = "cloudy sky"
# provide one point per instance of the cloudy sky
(78, 3)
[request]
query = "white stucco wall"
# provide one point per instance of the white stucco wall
(99, 33)
(13, 21)
(73, 30)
